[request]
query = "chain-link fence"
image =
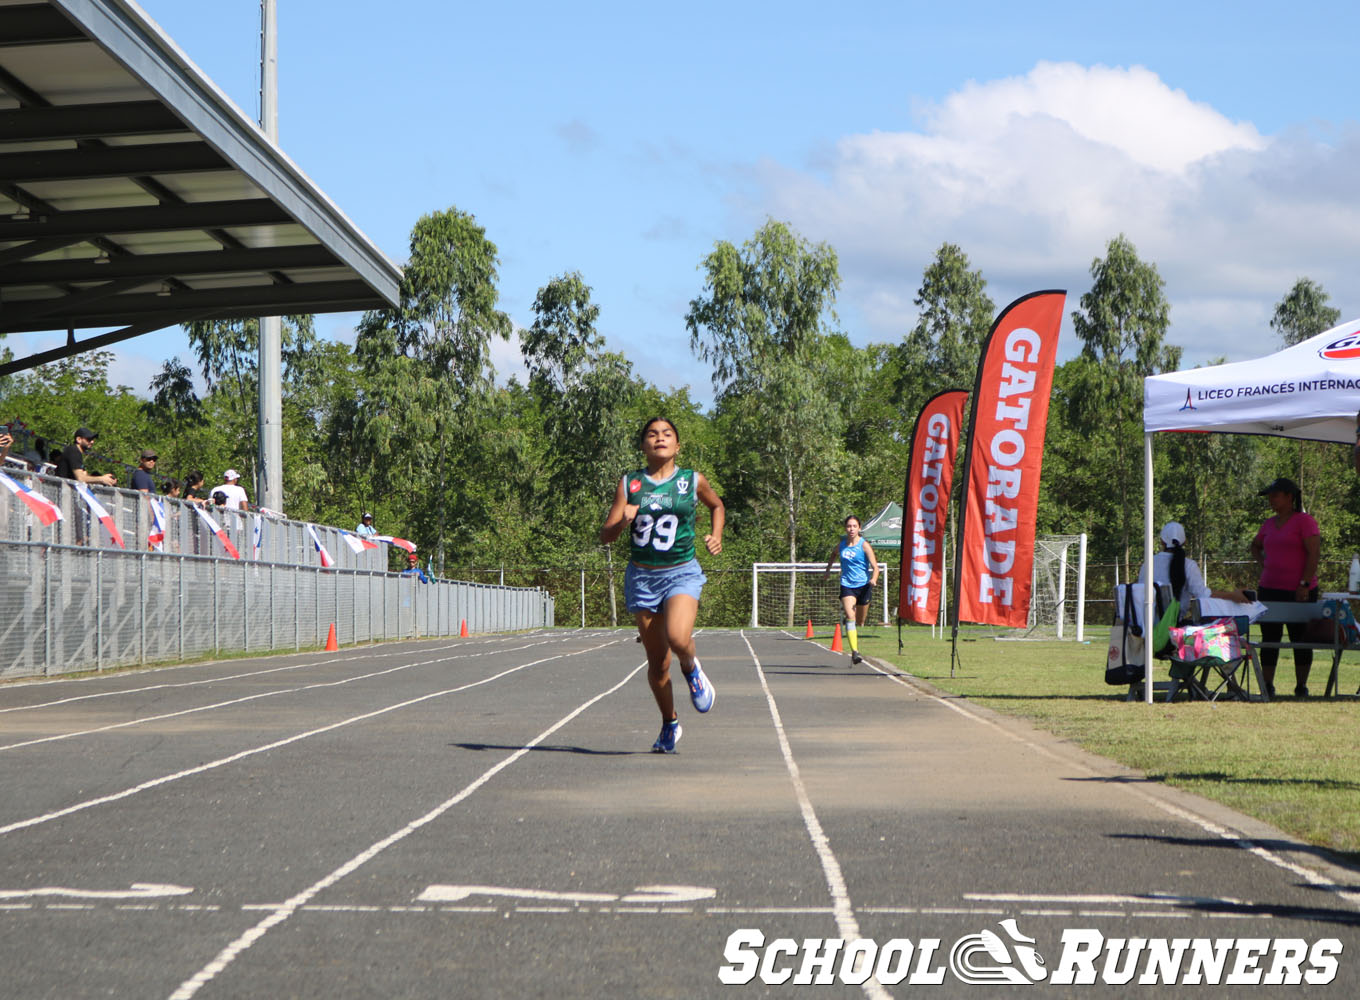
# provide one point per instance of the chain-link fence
(70, 608)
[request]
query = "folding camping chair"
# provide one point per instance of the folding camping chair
(1222, 664)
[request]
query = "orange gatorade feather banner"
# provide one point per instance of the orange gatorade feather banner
(930, 477)
(1005, 457)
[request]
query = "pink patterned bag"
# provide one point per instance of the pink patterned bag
(1217, 640)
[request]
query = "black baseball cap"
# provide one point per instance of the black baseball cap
(86, 433)
(1281, 485)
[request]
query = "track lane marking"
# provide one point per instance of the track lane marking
(169, 685)
(1234, 837)
(242, 755)
(229, 954)
(843, 912)
(251, 697)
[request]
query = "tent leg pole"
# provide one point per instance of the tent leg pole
(1150, 589)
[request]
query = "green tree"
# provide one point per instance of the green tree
(1303, 313)
(584, 392)
(942, 350)
(428, 371)
(1122, 325)
(763, 323)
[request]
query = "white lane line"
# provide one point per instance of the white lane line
(1234, 837)
(242, 755)
(846, 925)
(1140, 898)
(168, 685)
(380, 649)
(250, 697)
(229, 954)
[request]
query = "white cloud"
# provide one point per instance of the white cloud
(1032, 176)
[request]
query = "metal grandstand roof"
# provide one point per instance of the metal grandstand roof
(134, 194)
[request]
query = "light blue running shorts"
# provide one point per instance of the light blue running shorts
(647, 589)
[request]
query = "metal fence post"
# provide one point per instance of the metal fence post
(141, 618)
(217, 635)
(98, 609)
(245, 607)
(47, 609)
(180, 559)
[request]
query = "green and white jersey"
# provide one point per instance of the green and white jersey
(663, 531)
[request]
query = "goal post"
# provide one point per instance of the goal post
(784, 595)
(1058, 594)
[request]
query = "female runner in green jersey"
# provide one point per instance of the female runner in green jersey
(663, 581)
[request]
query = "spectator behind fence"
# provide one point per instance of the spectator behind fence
(6, 441)
(193, 488)
(174, 489)
(235, 494)
(366, 528)
(413, 568)
(141, 477)
(219, 499)
(71, 465)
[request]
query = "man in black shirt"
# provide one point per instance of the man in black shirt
(72, 462)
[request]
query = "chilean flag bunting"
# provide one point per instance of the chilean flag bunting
(356, 542)
(326, 561)
(43, 509)
(216, 529)
(97, 509)
(155, 539)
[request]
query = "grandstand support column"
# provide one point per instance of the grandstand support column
(269, 484)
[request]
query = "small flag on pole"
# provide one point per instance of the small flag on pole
(97, 509)
(216, 529)
(155, 540)
(43, 509)
(326, 561)
(257, 537)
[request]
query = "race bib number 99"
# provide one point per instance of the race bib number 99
(658, 532)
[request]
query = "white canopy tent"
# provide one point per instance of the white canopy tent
(1309, 391)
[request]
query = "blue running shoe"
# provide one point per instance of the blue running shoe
(700, 688)
(670, 735)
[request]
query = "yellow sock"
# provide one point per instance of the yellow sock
(853, 636)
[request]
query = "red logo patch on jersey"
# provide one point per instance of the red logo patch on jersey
(634, 485)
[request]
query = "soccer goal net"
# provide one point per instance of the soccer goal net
(1057, 600)
(784, 595)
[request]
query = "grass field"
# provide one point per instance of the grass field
(1294, 763)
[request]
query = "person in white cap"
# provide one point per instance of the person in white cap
(231, 486)
(1171, 565)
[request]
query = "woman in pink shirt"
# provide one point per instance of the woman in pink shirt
(1287, 548)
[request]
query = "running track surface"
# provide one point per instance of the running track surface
(482, 818)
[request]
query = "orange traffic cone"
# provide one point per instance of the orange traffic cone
(331, 644)
(462, 629)
(809, 632)
(836, 640)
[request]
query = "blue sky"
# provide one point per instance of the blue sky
(623, 140)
